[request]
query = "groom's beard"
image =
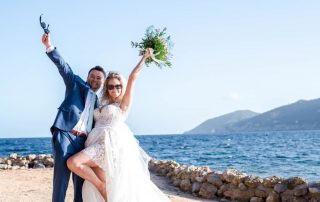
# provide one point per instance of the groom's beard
(95, 86)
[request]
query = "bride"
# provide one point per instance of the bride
(114, 166)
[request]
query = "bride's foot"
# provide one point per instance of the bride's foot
(103, 191)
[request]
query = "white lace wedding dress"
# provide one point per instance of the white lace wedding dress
(113, 147)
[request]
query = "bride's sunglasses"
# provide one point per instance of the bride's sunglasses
(111, 87)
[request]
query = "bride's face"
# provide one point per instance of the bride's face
(114, 88)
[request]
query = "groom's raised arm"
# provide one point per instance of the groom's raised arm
(63, 67)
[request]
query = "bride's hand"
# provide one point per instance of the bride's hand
(148, 53)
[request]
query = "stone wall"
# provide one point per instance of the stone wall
(203, 182)
(15, 161)
(234, 185)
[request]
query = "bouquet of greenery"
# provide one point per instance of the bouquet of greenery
(159, 42)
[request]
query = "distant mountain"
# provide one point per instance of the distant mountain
(301, 115)
(219, 123)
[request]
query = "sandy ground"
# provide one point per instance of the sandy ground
(35, 185)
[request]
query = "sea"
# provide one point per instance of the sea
(284, 154)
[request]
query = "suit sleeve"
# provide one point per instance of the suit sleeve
(63, 67)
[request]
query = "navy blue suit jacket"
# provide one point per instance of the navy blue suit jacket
(75, 95)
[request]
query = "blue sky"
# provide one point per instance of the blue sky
(228, 55)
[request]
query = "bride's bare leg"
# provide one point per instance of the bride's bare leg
(83, 166)
(102, 176)
(100, 173)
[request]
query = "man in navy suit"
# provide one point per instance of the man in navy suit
(73, 122)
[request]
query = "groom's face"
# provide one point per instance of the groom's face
(95, 79)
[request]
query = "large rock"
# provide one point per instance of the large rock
(39, 165)
(196, 176)
(16, 167)
(185, 185)
(270, 182)
(225, 200)
(252, 182)
(314, 192)
(233, 176)
(23, 163)
(288, 196)
(13, 156)
(300, 190)
(41, 156)
(170, 174)
(31, 157)
(176, 182)
(294, 181)
(208, 191)
(237, 194)
(49, 156)
(200, 179)
(196, 187)
(279, 188)
(3, 166)
(299, 199)
(15, 162)
(225, 187)
(214, 179)
(314, 200)
(242, 187)
(256, 199)
(152, 165)
(183, 175)
(9, 162)
(175, 172)
(262, 191)
(48, 162)
(273, 197)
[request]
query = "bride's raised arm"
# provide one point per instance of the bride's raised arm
(127, 98)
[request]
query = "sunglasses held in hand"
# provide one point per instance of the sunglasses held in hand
(44, 26)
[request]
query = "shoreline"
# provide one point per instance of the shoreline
(17, 161)
(36, 185)
(269, 155)
(201, 182)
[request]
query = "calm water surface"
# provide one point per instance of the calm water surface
(284, 154)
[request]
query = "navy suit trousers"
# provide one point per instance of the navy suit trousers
(65, 145)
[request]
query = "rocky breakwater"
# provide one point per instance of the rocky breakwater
(14, 161)
(234, 185)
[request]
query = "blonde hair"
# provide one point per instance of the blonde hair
(106, 96)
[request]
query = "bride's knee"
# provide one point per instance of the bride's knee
(72, 163)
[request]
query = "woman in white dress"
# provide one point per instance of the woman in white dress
(114, 166)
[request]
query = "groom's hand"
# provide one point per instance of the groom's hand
(46, 40)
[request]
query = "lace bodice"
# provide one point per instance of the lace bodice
(107, 115)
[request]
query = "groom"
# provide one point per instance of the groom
(73, 121)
